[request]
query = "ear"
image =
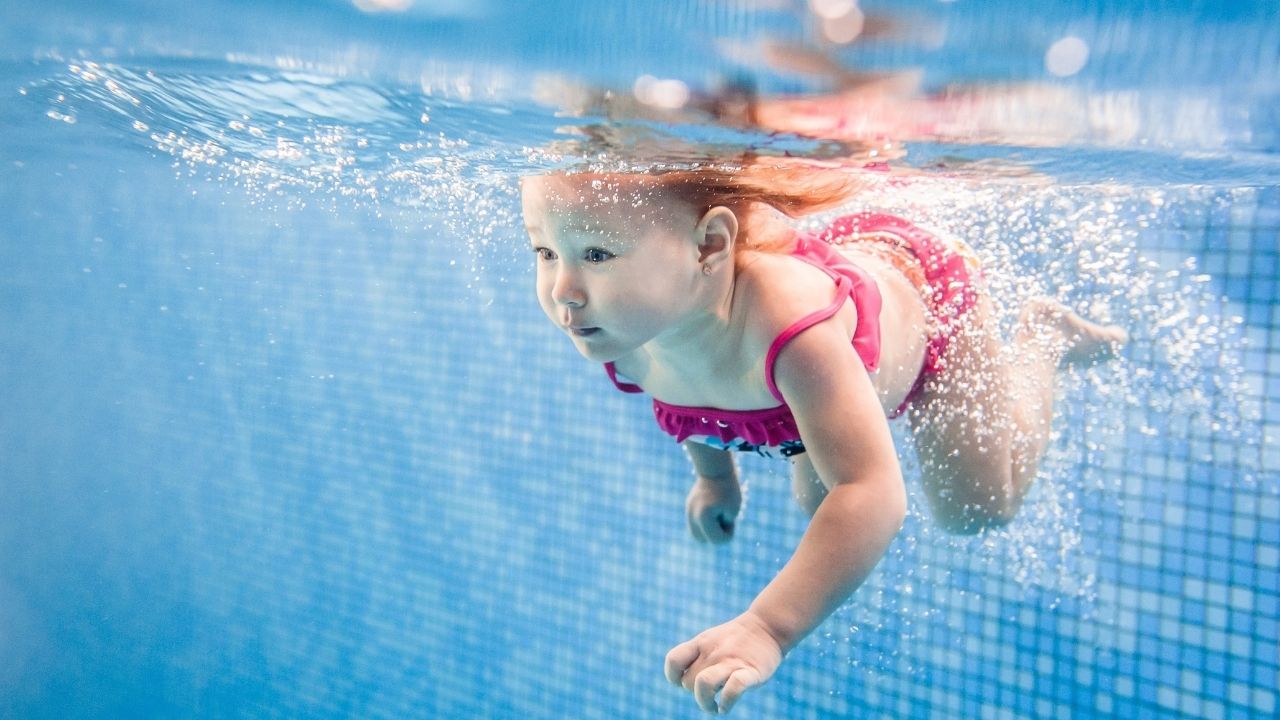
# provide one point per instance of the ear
(716, 234)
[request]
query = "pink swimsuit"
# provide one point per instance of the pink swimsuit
(949, 295)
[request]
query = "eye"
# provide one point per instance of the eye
(544, 254)
(596, 255)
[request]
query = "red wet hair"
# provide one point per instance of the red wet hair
(794, 188)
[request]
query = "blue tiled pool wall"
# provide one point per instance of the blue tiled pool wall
(271, 460)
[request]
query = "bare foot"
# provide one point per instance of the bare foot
(1081, 343)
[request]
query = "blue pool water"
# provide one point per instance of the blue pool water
(285, 433)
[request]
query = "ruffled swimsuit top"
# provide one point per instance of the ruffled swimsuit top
(774, 428)
(943, 272)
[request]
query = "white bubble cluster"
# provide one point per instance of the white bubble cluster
(1092, 248)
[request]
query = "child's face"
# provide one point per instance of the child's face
(617, 265)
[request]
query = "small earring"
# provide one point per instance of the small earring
(706, 268)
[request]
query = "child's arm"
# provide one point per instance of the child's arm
(848, 441)
(715, 498)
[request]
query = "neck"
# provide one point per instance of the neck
(693, 343)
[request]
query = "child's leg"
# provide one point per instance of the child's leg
(983, 423)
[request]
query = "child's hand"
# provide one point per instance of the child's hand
(728, 659)
(712, 508)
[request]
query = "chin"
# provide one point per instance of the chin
(597, 351)
(595, 355)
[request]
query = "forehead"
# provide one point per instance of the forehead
(604, 202)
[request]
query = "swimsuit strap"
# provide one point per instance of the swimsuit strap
(844, 290)
(623, 386)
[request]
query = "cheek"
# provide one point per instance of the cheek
(648, 301)
(661, 286)
(542, 288)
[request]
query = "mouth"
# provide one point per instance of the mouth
(583, 331)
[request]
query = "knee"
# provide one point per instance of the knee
(973, 518)
(984, 498)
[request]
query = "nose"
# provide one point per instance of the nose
(567, 289)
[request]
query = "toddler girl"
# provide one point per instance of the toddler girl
(688, 285)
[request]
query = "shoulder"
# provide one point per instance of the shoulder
(835, 405)
(773, 291)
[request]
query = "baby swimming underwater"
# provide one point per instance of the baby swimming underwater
(692, 286)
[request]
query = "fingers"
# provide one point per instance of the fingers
(711, 513)
(707, 684)
(739, 682)
(711, 525)
(728, 681)
(695, 529)
(724, 528)
(679, 660)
